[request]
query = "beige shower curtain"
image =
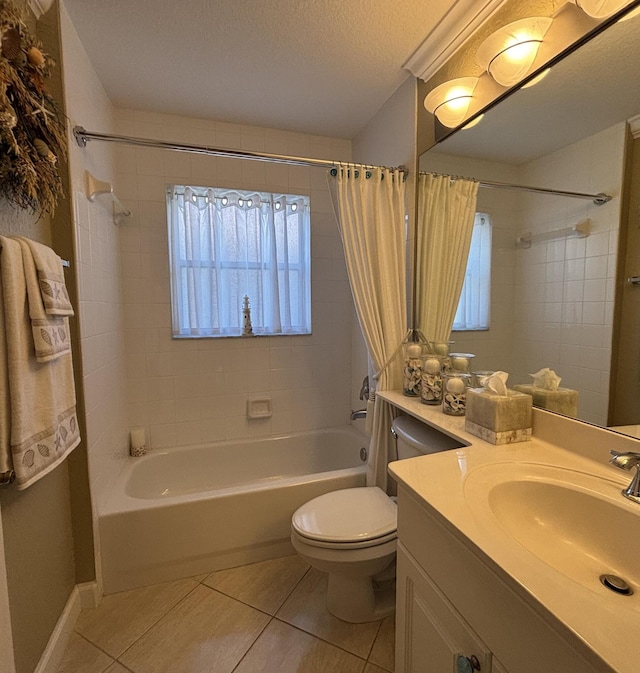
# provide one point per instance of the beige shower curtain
(446, 209)
(369, 204)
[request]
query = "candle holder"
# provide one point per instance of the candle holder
(137, 442)
(441, 348)
(461, 362)
(431, 387)
(454, 397)
(412, 370)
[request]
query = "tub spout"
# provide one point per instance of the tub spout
(361, 413)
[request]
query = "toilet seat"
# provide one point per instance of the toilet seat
(371, 520)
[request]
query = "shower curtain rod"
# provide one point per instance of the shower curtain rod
(82, 136)
(598, 199)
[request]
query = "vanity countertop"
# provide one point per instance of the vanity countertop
(454, 484)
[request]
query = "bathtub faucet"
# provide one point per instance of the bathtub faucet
(361, 413)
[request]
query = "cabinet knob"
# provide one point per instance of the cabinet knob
(467, 664)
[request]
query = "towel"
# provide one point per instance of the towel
(49, 326)
(38, 399)
(50, 278)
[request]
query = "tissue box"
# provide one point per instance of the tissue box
(499, 419)
(562, 401)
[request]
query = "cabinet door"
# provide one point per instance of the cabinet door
(432, 636)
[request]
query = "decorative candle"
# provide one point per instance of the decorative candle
(138, 441)
(412, 373)
(454, 397)
(431, 388)
(461, 362)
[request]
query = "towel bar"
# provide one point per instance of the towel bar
(7, 478)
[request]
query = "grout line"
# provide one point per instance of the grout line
(113, 659)
(142, 635)
(237, 600)
(373, 642)
(252, 644)
(317, 637)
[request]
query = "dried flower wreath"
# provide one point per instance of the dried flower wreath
(32, 136)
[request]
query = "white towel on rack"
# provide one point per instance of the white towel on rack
(49, 328)
(51, 282)
(38, 399)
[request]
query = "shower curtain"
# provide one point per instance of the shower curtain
(369, 204)
(446, 210)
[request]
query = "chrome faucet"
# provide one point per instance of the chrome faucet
(361, 413)
(627, 461)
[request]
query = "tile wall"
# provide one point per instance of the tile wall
(97, 268)
(565, 288)
(187, 391)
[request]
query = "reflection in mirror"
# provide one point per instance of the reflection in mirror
(553, 295)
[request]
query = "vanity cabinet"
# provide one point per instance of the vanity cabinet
(457, 611)
(435, 638)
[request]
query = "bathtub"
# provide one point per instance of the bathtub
(192, 510)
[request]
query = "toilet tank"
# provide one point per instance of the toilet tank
(414, 438)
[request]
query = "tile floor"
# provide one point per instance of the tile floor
(266, 617)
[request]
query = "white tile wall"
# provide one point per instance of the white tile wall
(186, 391)
(96, 265)
(565, 288)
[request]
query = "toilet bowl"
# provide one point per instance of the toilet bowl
(351, 534)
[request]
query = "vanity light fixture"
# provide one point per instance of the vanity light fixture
(450, 101)
(508, 54)
(601, 9)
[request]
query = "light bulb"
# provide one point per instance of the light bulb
(450, 101)
(508, 54)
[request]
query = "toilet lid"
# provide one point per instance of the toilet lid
(348, 515)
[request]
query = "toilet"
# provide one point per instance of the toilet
(351, 534)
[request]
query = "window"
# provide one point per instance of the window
(227, 244)
(475, 298)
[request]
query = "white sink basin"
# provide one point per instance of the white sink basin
(577, 523)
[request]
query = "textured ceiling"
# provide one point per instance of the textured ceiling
(313, 66)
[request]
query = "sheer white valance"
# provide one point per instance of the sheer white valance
(225, 244)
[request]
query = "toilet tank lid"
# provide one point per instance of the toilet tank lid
(420, 435)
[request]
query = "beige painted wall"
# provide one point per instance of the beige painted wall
(46, 528)
(38, 540)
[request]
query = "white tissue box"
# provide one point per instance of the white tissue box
(562, 401)
(499, 419)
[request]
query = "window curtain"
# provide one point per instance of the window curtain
(227, 244)
(446, 211)
(369, 204)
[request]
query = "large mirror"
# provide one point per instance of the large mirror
(555, 302)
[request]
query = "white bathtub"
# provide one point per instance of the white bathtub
(191, 510)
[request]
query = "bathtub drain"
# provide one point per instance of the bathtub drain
(616, 584)
(363, 454)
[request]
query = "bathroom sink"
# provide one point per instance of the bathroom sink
(577, 523)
